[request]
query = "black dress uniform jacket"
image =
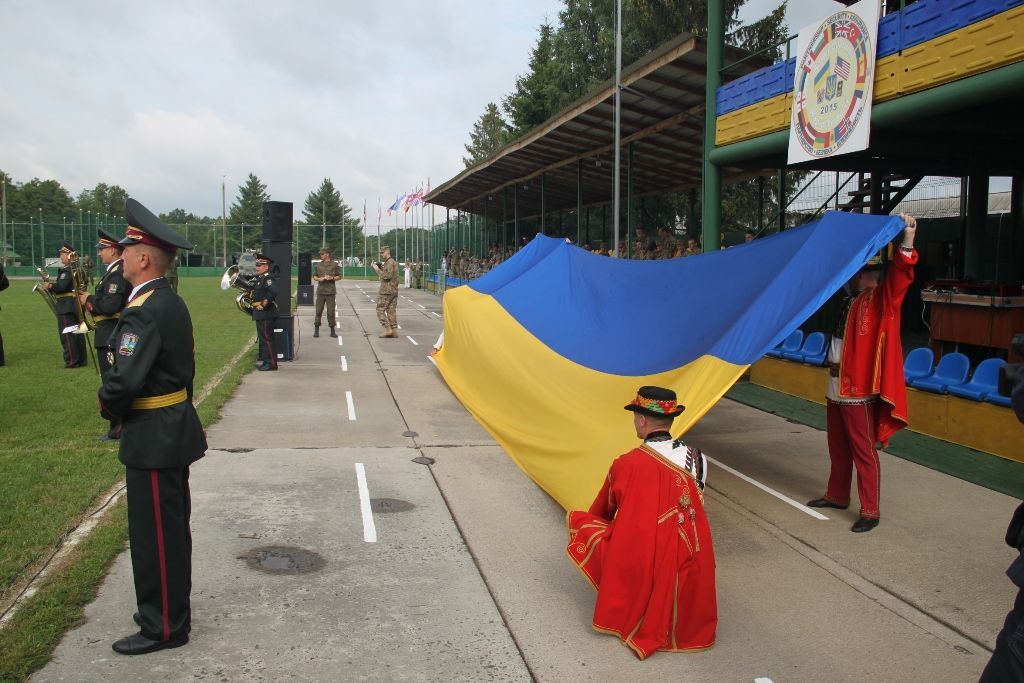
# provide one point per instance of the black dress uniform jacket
(263, 290)
(108, 301)
(154, 356)
(64, 285)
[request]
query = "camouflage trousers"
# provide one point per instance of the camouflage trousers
(387, 310)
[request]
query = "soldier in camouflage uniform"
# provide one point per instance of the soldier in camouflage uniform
(666, 244)
(327, 272)
(387, 296)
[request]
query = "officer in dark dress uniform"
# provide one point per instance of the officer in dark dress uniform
(106, 306)
(149, 389)
(66, 307)
(4, 284)
(264, 312)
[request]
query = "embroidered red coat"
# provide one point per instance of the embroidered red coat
(645, 545)
(872, 357)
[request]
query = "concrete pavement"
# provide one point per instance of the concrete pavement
(467, 577)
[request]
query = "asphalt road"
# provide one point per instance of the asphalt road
(322, 551)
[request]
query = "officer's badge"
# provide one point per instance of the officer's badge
(126, 347)
(269, 282)
(110, 358)
(112, 289)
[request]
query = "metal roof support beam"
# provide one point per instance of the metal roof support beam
(711, 206)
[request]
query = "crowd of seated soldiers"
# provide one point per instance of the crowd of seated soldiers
(460, 263)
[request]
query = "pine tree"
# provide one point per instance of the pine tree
(324, 205)
(532, 101)
(248, 208)
(489, 134)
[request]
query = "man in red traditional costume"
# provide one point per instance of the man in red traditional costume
(867, 394)
(645, 543)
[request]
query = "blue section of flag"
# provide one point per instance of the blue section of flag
(643, 317)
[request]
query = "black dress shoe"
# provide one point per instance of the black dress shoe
(825, 503)
(137, 618)
(138, 644)
(316, 331)
(265, 367)
(864, 524)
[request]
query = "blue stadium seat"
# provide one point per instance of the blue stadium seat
(817, 357)
(918, 364)
(792, 343)
(998, 399)
(952, 369)
(982, 383)
(814, 345)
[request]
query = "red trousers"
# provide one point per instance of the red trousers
(851, 442)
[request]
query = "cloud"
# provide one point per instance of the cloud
(165, 99)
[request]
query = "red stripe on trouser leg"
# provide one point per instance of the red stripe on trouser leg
(268, 340)
(851, 428)
(164, 612)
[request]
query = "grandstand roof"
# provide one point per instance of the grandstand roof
(662, 115)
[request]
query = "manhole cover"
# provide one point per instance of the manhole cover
(385, 505)
(410, 434)
(282, 559)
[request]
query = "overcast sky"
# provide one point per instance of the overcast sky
(165, 98)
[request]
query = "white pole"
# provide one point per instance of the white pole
(618, 116)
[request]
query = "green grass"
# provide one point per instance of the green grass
(53, 467)
(26, 643)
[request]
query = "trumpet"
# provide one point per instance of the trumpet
(81, 282)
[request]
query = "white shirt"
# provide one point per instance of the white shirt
(138, 287)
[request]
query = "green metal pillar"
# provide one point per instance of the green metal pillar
(1016, 271)
(629, 202)
(515, 215)
(711, 205)
(504, 220)
(782, 199)
(760, 203)
(977, 214)
(543, 203)
(579, 200)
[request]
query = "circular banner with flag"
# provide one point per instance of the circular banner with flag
(831, 84)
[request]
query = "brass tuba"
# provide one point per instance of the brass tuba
(47, 295)
(80, 278)
(237, 276)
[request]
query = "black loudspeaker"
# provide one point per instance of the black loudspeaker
(305, 268)
(283, 340)
(277, 221)
(281, 272)
(305, 295)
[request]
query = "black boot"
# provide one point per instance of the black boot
(333, 333)
(316, 330)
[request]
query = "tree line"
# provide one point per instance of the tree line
(576, 53)
(36, 202)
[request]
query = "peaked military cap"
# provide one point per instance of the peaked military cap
(146, 228)
(107, 240)
(262, 259)
(66, 246)
(655, 402)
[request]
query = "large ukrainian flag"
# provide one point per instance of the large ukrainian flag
(546, 349)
